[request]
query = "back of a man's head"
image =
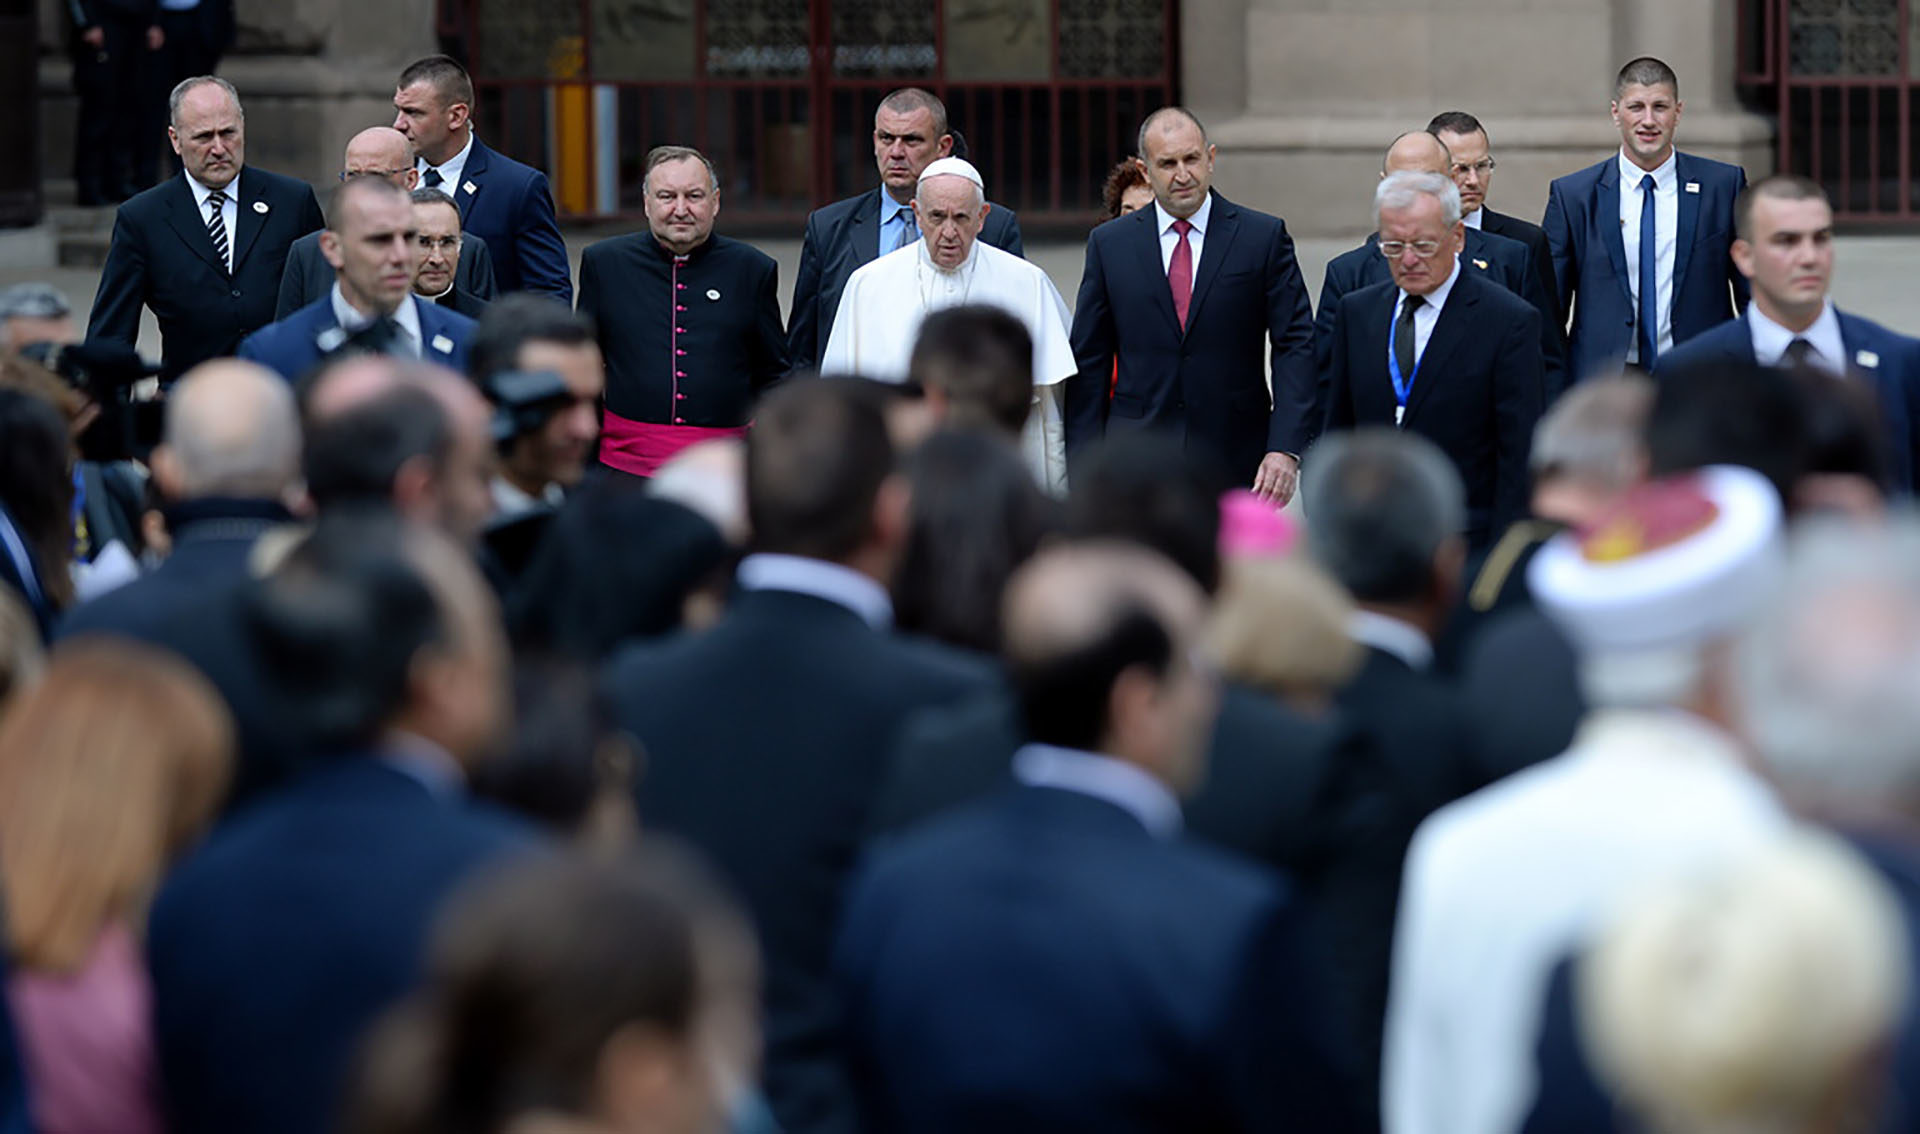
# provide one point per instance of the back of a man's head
(1079, 616)
(511, 322)
(1144, 488)
(231, 431)
(980, 360)
(1380, 505)
(358, 454)
(1751, 416)
(817, 459)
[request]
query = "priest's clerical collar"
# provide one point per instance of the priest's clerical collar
(669, 254)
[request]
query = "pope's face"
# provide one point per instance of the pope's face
(950, 210)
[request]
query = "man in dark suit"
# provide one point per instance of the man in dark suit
(369, 241)
(380, 151)
(194, 34)
(767, 736)
(444, 270)
(1784, 247)
(1472, 170)
(1192, 354)
(1497, 258)
(503, 203)
(1055, 958)
(111, 42)
(1441, 352)
(1383, 518)
(206, 250)
(227, 467)
(1647, 213)
(910, 132)
(280, 942)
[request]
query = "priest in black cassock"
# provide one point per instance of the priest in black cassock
(689, 321)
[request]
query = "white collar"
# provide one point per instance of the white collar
(1131, 789)
(1630, 174)
(202, 192)
(350, 319)
(1402, 639)
(1477, 218)
(1771, 340)
(925, 252)
(509, 499)
(457, 162)
(1437, 298)
(842, 586)
(1198, 220)
(424, 762)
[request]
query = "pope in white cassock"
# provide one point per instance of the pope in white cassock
(885, 302)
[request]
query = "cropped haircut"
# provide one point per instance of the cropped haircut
(425, 196)
(512, 321)
(816, 459)
(981, 358)
(179, 94)
(356, 186)
(446, 76)
(1454, 122)
(661, 155)
(354, 455)
(1140, 140)
(1595, 432)
(1732, 414)
(1645, 71)
(1777, 187)
(1380, 502)
(1144, 488)
(1403, 189)
(906, 100)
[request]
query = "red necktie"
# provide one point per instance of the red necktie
(1180, 272)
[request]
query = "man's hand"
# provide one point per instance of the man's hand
(1275, 480)
(156, 39)
(95, 38)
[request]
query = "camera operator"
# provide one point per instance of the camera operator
(34, 313)
(545, 449)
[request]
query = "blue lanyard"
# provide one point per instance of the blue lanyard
(1402, 384)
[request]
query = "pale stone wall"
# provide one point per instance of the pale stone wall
(1303, 96)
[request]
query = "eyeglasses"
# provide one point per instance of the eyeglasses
(1425, 249)
(389, 174)
(1482, 167)
(438, 243)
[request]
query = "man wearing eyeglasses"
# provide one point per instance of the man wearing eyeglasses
(439, 254)
(380, 151)
(1472, 170)
(1441, 351)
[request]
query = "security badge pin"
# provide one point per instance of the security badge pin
(260, 207)
(443, 344)
(713, 294)
(470, 188)
(1481, 264)
(1693, 186)
(1867, 359)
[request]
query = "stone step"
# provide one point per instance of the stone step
(81, 234)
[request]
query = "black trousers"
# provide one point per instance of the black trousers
(193, 46)
(111, 82)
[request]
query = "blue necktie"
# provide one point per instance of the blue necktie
(909, 231)
(1649, 278)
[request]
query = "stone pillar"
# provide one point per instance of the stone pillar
(1327, 84)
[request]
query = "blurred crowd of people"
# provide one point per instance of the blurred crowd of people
(446, 709)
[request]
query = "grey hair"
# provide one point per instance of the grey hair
(1401, 190)
(247, 445)
(1595, 432)
(1379, 504)
(1829, 683)
(661, 155)
(180, 93)
(979, 192)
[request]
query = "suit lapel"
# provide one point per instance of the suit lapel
(864, 227)
(1689, 219)
(1153, 274)
(1217, 245)
(1375, 327)
(1606, 217)
(189, 225)
(1448, 333)
(470, 179)
(251, 214)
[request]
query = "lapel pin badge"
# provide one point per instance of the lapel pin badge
(259, 206)
(443, 344)
(1867, 359)
(330, 340)
(470, 188)
(1693, 186)
(1481, 264)
(713, 294)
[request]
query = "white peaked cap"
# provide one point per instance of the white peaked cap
(955, 167)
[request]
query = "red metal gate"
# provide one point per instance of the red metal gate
(1845, 83)
(781, 93)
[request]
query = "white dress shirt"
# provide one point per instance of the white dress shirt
(1403, 640)
(1477, 218)
(406, 315)
(229, 212)
(842, 586)
(1501, 885)
(426, 763)
(509, 499)
(450, 170)
(1771, 340)
(1131, 789)
(1170, 239)
(1666, 224)
(1427, 314)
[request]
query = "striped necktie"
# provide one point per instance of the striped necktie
(217, 228)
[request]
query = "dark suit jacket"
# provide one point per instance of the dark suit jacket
(511, 209)
(1039, 962)
(277, 944)
(1541, 253)
(161, 257)
(292, 346)
(1590, 259)
(1886, 361)
(1477, 392)
(840, 238)
(309, 277)
(1494, 257)
(766, 738)
(211, 542)
(1210, 381)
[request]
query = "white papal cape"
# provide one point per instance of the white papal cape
(885, 301)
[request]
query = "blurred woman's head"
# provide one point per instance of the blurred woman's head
(109, 767)
(1281, 626)
(1126, 189)
(36, 485)
(572, 990)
